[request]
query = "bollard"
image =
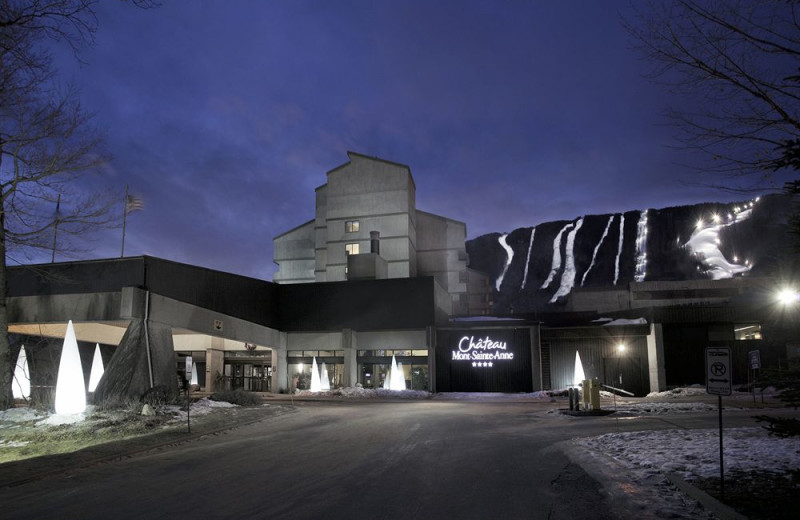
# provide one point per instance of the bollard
(587, 394)
(595, 398)
(572, 399)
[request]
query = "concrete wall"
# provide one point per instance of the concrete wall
(55, 308)
(380, 195)
(294, 254)
(406, 339)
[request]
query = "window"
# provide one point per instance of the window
(351, 226)
(351, 249)
(747, 331)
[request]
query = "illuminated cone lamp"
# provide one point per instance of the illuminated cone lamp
(70, 387)
(396, 379)
(399, 378)
(579, 376)
(21, 386)
(325, 382)
(316, 384)
(194, 375)
(97, 369)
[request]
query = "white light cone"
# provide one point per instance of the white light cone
(579, 375)
(21, 386)
(324, 380)
(70, 386)
(97, 369)
(316, 384)
(194, 374)
(396, 379)
(400, 384)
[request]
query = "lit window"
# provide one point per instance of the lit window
(351, 226)
(351, 249)
(747, 331)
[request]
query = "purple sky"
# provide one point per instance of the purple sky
(224, 116)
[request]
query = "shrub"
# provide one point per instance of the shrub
(238, 396)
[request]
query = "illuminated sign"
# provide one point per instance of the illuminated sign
(491, 359)
(483, 352)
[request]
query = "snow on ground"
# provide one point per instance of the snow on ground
(13, 416)
(693, 454)
(16, 416)
(678, 392)
(367, 393)
(489, 396)
(200, 407)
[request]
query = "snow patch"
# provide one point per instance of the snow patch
(641, 248)
(200, 407)
(509, 257)
(694, 454)
(705, 244)
(619, 247)
(368, 393)
(597, 248)
(19, 415)
(556, 265)
(622, 322)
(528, 260)
(568, 277)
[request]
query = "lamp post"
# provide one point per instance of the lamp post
(621, 348)
(788, 298)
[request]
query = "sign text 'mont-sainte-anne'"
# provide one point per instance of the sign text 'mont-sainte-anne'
(482, 350)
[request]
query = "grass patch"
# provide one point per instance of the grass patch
(28, 439)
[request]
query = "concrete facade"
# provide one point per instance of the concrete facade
(366, 195)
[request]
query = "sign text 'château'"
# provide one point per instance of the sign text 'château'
(482, 351)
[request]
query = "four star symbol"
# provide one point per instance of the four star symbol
(480, 364)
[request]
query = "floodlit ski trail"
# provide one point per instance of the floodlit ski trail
(619, 247)
(509, 257)
(568, 278)
(705, 244)
(641, 248)
(528, 261)
(597, 248)
(556, 257)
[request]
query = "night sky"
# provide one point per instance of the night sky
(224, 116)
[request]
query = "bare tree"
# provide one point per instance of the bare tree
(46, 140)
(737, 65)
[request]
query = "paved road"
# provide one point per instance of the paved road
(410, 460)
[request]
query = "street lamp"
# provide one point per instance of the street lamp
(621, 348)
(788, 296)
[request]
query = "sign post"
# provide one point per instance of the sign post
(754, 356)
(718, 382)
(188, 391)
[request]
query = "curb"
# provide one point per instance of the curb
(722, 511)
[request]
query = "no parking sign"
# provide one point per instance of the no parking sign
(718, 370)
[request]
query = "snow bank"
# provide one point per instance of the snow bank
(368, 393)
(490, 396)
(694, 454)
(200, 407)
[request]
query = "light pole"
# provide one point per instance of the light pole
(621, 348)
(788, 298)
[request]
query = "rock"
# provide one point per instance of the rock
(148, 410)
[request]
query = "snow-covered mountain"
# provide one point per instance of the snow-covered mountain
(542, 264)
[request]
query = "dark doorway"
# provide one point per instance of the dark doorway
(625, 372)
